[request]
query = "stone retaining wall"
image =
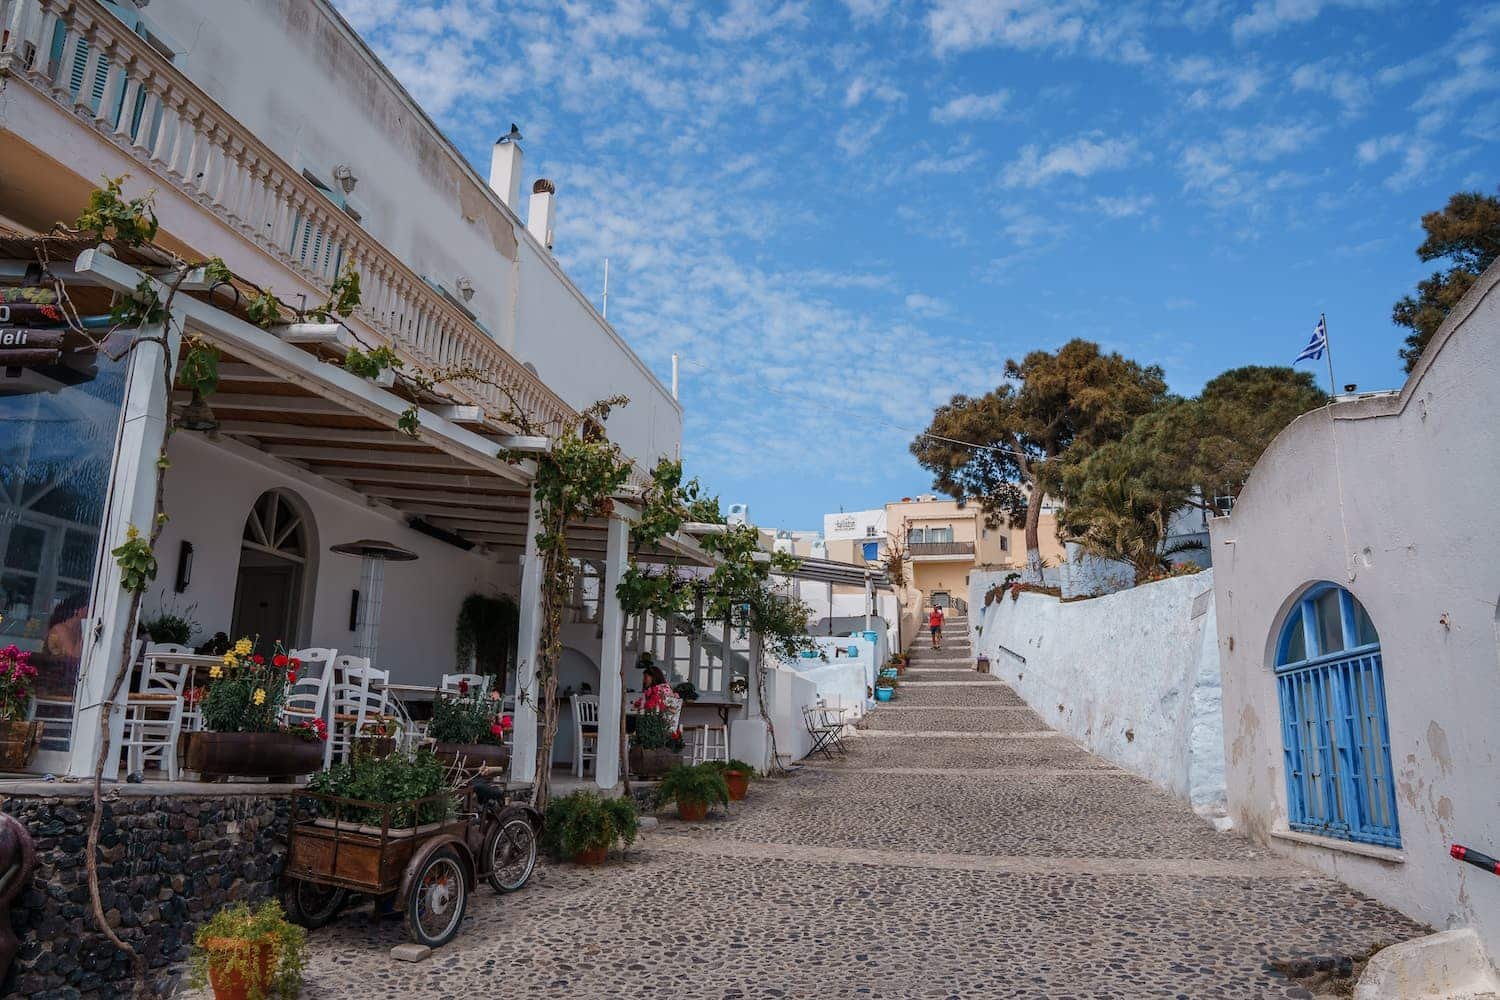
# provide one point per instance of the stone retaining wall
(167, 862)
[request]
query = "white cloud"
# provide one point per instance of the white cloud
(927, 305)
(971, 107)
(1124, 206)
(862, 86)
(954, 161)
(1112, 31)
(1232, 168)
(1270, 16)
(1217, 85)
(1080, 157)
(1178, 304)
(1350, 89)
(1413, 153)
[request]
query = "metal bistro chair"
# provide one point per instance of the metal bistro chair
(585, 732)
(359, 696)
(307, 699)
(823, 735)
(710, 743)
(153, 712)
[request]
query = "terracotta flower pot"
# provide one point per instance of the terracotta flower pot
(253, 755)
(739, 785)
(474, 754)
(593, 857)
(691, 812)
(19, 740)
(241, 983)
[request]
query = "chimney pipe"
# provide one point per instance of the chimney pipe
(539, 213)
(505, 169)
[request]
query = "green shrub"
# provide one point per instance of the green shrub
(401, 777)
(703, 783)
(584, 821)
(238, 922)
(732, 765)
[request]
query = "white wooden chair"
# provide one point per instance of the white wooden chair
(585, 732)
(359, 696)
(154, 711)
(710, 743)
(451, 682)
(308, 698)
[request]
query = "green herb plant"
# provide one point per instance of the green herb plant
(700, 784)
(229, 941)
(585, 821)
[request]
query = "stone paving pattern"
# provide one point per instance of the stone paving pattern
(1035, 870)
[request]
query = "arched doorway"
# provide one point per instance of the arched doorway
(1331, 684)
(271, 594)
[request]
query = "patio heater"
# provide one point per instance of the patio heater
(373, 556)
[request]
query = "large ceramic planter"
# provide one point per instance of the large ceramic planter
(884, 693)
(18, 743)
(652, 764)
(739, 785)
(240, 983)
(473, 754)
(593, 857)
(253, 755)
(691, 812)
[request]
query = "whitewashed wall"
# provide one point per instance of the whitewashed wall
(308, 88)
(1394, 498)
(210, 492)
(1134, 676)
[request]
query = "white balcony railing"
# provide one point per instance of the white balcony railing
(91, 64)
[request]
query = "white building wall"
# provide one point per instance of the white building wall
(210, 492)
(291, 71)
(1129, 675)
(1394, 498)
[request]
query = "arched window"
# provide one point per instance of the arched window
(1334, 732)
(277, 555)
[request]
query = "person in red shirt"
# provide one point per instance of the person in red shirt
(935, 622)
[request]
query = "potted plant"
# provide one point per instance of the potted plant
(694, 789)
(244, 733)
(403, 777)
(737, 776)
(686, 691)
(247, 954)
(469, 726)
(584, 826)
(171, 625)
(19, 736)
(884, 689)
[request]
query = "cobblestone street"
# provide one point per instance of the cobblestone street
(961, 849)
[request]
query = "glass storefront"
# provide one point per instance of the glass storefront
(57, 434)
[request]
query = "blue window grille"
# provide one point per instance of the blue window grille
(1334, 732)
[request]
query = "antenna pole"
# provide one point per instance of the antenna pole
(604, 313)
(674, 376)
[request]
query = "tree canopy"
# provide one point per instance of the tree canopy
(1466, 233)
(1005, 447)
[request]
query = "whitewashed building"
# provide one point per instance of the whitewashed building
(1357, 589)
(290, 176)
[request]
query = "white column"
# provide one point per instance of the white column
(131, 501)
(528, 641)
(611, 652)
(869, 600)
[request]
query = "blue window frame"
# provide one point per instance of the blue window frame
(1334, 733)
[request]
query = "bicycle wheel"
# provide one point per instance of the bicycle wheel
(436, 905)
(510, 853)
(312, 905)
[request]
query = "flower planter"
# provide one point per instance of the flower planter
(473, 754)
(739, 785)
(374, 746)
(651, 764)
(253, 755)
(593, 857)
(884, 693)
(18, 743)
(241, 982)
(692, 812)
(983, 665)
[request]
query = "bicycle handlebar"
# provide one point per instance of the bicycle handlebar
(1479, 860)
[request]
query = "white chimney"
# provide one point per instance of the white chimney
(505, 168)
(539, 213)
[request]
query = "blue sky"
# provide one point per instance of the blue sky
(841, 213)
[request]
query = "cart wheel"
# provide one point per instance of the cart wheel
(438, 896)
(313, 905)
(510, 854)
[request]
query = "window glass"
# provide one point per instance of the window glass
(1296, 640)
(1364, 629)
(57, 434)
(1330, 619)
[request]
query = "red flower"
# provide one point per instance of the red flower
(505, 722)
(463, 687)
(295, 663)
(279, 659)
(291, 676)
(497, 730)
(257, 659)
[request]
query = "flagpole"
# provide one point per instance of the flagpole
(1328, 349)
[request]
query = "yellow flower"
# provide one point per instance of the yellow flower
(229, 660)
(215, 672)
(260, 696)
(243, 647)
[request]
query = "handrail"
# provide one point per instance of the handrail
(148, 108)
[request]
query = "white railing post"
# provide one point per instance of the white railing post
(528, 643)
(611, 655)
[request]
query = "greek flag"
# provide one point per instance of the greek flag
(1317, 345)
